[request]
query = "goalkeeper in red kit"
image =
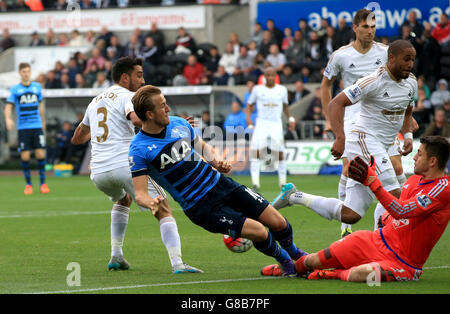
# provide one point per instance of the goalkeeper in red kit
(409, 229)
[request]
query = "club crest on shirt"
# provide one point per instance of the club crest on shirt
(423, 201)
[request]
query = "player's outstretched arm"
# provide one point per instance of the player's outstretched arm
(415, 206)
(81, 135)
(142, 198)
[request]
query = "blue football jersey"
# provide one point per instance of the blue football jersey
(26, 99)
(170, 159)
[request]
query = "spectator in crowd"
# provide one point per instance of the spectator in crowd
(59, 69)
(321, 31)
(20, 5)
(184, 42)
(297, 52)
(101, 82)
(96, 58)
(233, 38)
(440, 125)
(236, 119)
(114, 42)
(429, 57)
(329, 41)
(212, 61)
(287, 75)
(158, 36)
(221, 77)
(228, 59)
(52, 81)
(299, 93)
(3, 6)
(63, 40)
(287, 39)
(441, 31)
(60, 5)
(63, 138)
(275, 58)
(65, 80)
(50, 38)
(80, 82)
(256, 35)
(193, 70)
(316, 54)
(6, 42)
(441, 94)
(422, 109)
(244, 67)
(179, 79)
(90, 37)
(77, 39)
(277, 34)
(314, 113)
(111, 54)
(415, 26)
(105, 35)
(80, 59)
(36, 40)
(252, 48)
(343, 33)
(72, 70)
(133, 47)
(91, 75)
(265, 44)
(87, 4)
(304, 27)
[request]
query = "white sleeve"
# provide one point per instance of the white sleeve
(285, 96)
(361, 89)
(333, 68)
(253, 96)
(85, 120)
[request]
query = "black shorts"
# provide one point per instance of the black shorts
(225, 208)
(30, 139)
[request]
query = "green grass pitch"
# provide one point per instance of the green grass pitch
(41, 234)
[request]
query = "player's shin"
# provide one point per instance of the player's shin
(171, 239)
(285, 239)
(41, 168)
(329, 208)
(282, 172)
(271, 248)
(119, 223)
(26, 171)
(255, 171)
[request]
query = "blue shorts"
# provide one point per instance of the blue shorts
(225, 208)
(30, 139)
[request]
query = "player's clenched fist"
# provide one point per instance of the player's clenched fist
(359, 171)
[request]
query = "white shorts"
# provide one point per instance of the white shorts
(268, 134)
(117, 183)
(359, 197)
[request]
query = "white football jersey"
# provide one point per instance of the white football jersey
(269, 101)
(111, 131)
(353, 65)
(383, 103)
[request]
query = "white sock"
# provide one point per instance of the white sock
(329, 208)
(379, 210)
(171, 239)
(119, 222)
(282, 172)
(401, 179)
(254, 171)
(341, 194)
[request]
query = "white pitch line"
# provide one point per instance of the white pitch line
(158, 285)
(181, 283)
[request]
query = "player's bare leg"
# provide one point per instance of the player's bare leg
(171, 239)
(119, 221)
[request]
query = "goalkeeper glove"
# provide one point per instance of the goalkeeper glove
(359, 171)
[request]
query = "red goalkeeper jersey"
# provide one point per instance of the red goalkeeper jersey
(414, 224)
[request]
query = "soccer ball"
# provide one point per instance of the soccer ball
(239, 245)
